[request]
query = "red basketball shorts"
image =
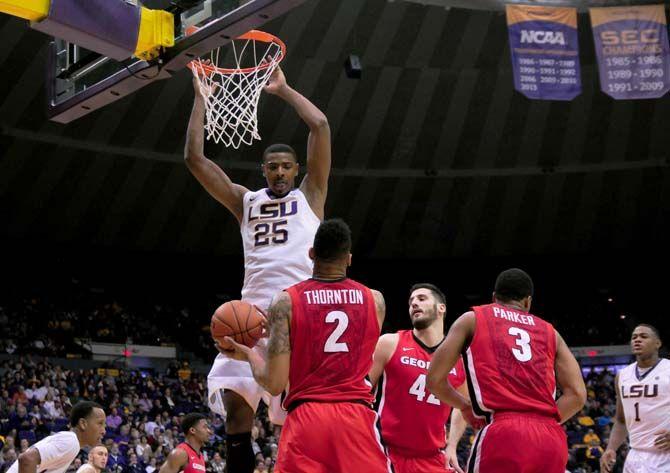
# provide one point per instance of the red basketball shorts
(403, 463)
(331, 438)
(519, 443)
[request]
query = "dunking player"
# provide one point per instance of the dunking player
(642, 408)
(187, 456)
(54, 453)
(512, 360)
(278, 226)
(413, 421)
(323, 333)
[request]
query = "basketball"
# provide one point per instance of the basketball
(239, 320)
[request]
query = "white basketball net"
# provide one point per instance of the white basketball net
(231, 95)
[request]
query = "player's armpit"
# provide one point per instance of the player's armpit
(380, 306)
(386, 345)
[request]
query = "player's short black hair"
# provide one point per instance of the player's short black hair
(280, 148)
(82, 410)
(190, 420)
(513, 285)
(332, 240)
(652, 328)
(437, 293)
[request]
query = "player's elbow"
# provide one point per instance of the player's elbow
(191, 158)
(321, 123)
(578, 392)
(433, 382)
(275, 389)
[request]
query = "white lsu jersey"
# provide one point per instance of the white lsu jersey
(646, 402)
(277, 233)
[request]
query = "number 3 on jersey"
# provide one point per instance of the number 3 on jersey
(342, 321)
(523, 353)
(418, 389)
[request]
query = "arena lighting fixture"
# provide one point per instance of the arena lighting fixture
(582, 5)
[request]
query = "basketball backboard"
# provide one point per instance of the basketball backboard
(81, 81)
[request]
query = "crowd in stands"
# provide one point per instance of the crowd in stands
(144, 410)
(143, 414)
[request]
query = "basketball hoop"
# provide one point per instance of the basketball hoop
(232, 93)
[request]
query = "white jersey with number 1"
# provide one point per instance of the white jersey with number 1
(646, 402)
(277, 233)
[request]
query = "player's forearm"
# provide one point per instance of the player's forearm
(570, 403)
(195, 135)
(456, 429)
(617, 435)
(314, 118)
(259, 369)
(445, 392)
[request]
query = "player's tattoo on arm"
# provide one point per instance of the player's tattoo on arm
(278, 322)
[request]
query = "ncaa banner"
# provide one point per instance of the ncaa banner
(633, 52)
(545, 51)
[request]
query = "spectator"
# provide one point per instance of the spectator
(217, 465)
(591, 437)
(134, 465)
(151, 467)
(143, 448)
(593, 453)
(9, 456)
(584, 419)
(114, 420)
(116, 461)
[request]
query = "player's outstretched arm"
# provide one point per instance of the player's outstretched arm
(569, 378)
(271, 371)
(386, 345)
(175, 461)
(617, 435)
(210, 176)
(29, 460)
(445, 358)
(315, 183)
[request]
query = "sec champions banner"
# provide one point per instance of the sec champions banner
(545, 51)
(633, 52)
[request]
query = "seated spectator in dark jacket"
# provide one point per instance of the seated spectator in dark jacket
(134, 466)
(116, 461)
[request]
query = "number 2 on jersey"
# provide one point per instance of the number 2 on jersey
(523, 341)
(342, 321)
(418, 389)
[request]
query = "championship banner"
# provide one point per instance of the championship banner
(633, 52)
(545, 51)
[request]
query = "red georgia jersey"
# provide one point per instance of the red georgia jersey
(334, 331)
(413, 421)
(196, 461)
(510, 363)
